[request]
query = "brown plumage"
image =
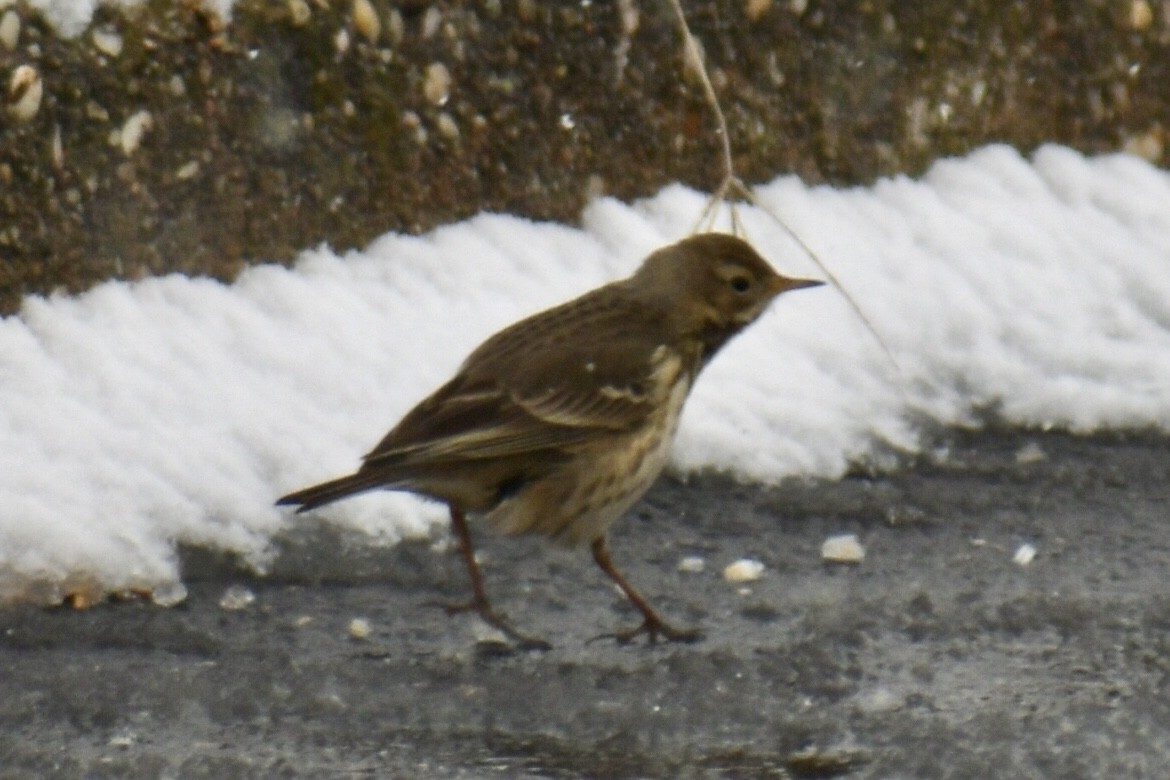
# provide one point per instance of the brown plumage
(557, 424)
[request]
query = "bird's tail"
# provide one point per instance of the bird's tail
(327, 492)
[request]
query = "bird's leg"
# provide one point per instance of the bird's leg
(479, 602)
(652, 623)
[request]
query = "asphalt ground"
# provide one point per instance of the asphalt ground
(938, 656)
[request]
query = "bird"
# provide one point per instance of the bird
(559, 423)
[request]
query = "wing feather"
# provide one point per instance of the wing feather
(549, 384)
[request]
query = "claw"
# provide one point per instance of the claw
(652, 625)
(653, 628)
(496, 620)
(479, 602)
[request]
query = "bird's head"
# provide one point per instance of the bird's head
(716, 284)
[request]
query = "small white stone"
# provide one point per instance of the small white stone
(629, 16)
(879, 700)
(299, 12)
(431, 21)
(488, 634)
(844, 548)
(395, 26)
(1025, 554)
(412, 122)
(1141, 15)
(25, 90)
(359, 628)
(170, 595)
(57, 148)
(1030, 453)
(447, 126)
(132, 131)
(108, 42)
(744, 570)
(978, 92)
(341, 41)
(754, 9)
(366, 21)
(187, 171)
(236, 597)
(10, 29)
(692, 564)
(437, 84)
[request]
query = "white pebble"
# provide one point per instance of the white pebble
(744, 570)
(692, 564)
(844, 548)
(879, 701)
(447, 126)
(10, 29)
(108, 42)
(1030, 453)
(132, 131)
(488, 635)
(359, 628)
(169, 595)
(1141, 15)
(25, 90)
(236, 597)
(57, 148)
(187, 170)
(395, 26)
(437, 84)
(1025, 553)
(754, 9)
(299, 12)
(629, 16)
(431, 21)
(366, 21)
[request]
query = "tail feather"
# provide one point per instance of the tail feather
(328, 492)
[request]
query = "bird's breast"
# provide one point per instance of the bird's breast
(582, 499)
(609, 480)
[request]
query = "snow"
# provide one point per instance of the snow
(70, 18)
(174, 410)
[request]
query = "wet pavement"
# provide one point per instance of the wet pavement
(937, 656)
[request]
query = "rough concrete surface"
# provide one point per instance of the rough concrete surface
(169, 141)
(936, 657)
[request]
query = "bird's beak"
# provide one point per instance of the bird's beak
(780, 284)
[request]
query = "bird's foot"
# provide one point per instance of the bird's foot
(496, 620)
(654, 627)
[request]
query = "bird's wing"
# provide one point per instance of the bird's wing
(468, 421)
(523, 392)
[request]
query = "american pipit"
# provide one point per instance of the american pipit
(559, 423)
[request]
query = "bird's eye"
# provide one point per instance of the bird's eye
(741, 284)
